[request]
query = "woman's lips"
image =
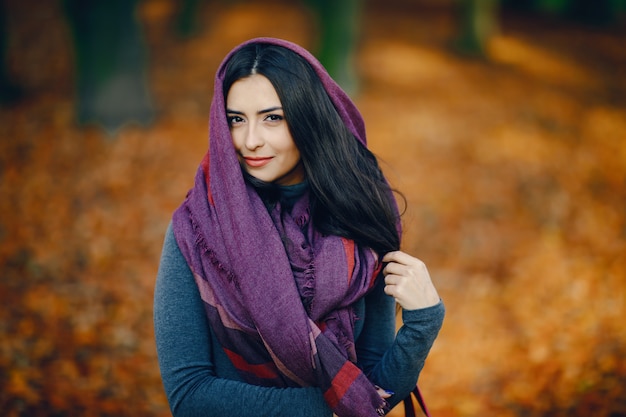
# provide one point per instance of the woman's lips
(257, 162)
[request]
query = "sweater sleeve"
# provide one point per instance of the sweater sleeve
(199, 380)
(393, 360)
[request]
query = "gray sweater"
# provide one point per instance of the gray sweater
(200, 380)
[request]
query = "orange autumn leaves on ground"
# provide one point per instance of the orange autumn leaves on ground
(514, 172)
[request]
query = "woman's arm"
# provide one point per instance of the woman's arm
(394, 360)
(190, 363)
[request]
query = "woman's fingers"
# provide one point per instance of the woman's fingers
(398, 256)
(383, 393)
(408, 281)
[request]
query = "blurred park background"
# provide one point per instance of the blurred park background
(502, 122)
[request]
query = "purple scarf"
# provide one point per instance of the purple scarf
(277, 293)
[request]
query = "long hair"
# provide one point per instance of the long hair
(349, 194)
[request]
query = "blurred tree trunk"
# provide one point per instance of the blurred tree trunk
(339, 26)
(478, 21)
(187, 17)
(9, 91)
(110, 63)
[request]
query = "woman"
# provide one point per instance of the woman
(271, 297)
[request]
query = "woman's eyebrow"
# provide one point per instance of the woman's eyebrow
(268, 110)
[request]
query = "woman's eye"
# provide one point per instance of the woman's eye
(232, 120)
(274, 117)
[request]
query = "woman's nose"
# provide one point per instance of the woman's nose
(254, 138)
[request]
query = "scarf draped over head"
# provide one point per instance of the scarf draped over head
(277, 293)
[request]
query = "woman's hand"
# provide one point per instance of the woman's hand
(407, 280)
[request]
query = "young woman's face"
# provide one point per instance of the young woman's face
(260, 133)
